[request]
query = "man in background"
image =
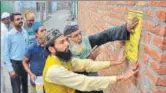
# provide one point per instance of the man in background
(5, 21)
(16, 42)
(28, 25)
(36, 56)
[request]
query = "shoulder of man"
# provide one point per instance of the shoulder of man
(10, 32)
(23, 28)
(25, 32)
(32, 45)
(4, 30)
(36, 22)
(78, 59)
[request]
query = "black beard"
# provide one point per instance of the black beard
(64, 56)
(18, 26)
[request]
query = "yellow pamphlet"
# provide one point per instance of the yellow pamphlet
(133, 44)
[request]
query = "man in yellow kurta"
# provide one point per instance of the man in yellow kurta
(59, 76)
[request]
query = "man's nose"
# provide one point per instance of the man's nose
(79, 36)
(66, 43)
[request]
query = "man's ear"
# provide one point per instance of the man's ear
(51, 49)
(69, 39)
(35, 34)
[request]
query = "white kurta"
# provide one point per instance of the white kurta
(62, 76)
(4, 30)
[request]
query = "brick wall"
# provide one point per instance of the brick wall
(96, 16)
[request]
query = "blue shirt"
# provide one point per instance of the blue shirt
(15, 46)
(37, 56)
(31, 33)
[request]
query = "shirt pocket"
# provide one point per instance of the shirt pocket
(14, 39)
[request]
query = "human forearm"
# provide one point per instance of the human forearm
(61, 76)
(112, 34)
(117, 62)
(88, 65)
(6, 54)
(26, 66)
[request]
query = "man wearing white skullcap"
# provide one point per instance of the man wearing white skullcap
(5, 20)
(5, 15)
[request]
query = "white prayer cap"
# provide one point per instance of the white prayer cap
(5, 15)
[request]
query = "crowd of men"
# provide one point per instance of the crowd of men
(65, 60)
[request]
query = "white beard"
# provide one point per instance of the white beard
(78, 49)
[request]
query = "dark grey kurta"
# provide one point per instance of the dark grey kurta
(112, 34)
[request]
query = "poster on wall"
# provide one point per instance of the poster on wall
(133, 44)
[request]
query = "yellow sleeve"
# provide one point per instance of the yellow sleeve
(60, 75)
(88, 65)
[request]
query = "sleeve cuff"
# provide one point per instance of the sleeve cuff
(127, 33)
(10, 69)
(113, 79)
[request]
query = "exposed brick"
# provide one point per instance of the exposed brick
(115, 22)
(151, 52)
(122, 9)
(142, 91)
(161, 69)
(160, 30)
(121, 2)
(147, 37)
(163, 57)
(154, 54)
(156, 29)
(130, 3)
(144, 23)
(116, 15)
(100, 2)
(112, 15)
(149, 25)
(158, 81)
(158, 3)
(161, 81)
(150, 13)
(93, 9)
(126, 3)
(145, 58)
(159, 90)
(152, 77)
(140, 76)
(119, 9)
(160, 42)
(161, 14)
(123, 87)
(124, 18)
(133, 80)
(142, 3)
(107, 7)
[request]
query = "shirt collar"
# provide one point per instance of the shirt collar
(38, 44)
(15, 31)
